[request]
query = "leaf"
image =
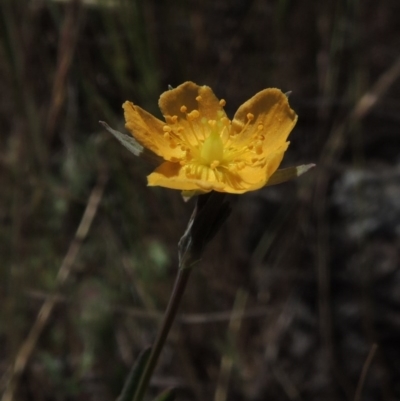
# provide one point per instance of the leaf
(130, 143)
(132, 381)
(286, 174)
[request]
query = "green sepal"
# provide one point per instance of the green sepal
(286, 174)
(130, 143)
(133, 379)
(188, 194)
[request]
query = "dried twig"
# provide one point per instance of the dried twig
(182, 318)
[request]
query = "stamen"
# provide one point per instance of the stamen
(259, 148)
(250, 116)
(188, 171)
(214, 164)
(241, 165)
(224, 134)
(188, 155)
(198, 171)
(193, 115)
(225, 121)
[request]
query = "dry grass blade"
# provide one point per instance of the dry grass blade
(332, 148)
(364, 372)
(330, 153)
(364, 105)
(370, 98)
(227, 360)
(66, 49)
(25, 352)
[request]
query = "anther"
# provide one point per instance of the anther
(183, 109)
(214, 164)
(222, 102)
(167, 128)
(260, 127)
(174, 119)
(225, 121)
(240, 165)
(211, 123)
(193, 114)
(250, 116)
(199, 98)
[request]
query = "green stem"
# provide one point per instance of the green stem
(169, 316)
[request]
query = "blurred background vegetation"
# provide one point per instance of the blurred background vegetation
(302, 280)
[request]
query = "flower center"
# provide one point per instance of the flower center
(213, 148)
(207, 143)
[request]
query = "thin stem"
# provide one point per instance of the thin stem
(169, 316)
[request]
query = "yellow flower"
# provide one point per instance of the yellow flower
(203, 150)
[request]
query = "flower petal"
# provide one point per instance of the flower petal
(271, 109)
(148, 130)
(174, 176)
(172, 100)
(171, 175)
(251, 177)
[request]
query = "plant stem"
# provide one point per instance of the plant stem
(168, 319)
